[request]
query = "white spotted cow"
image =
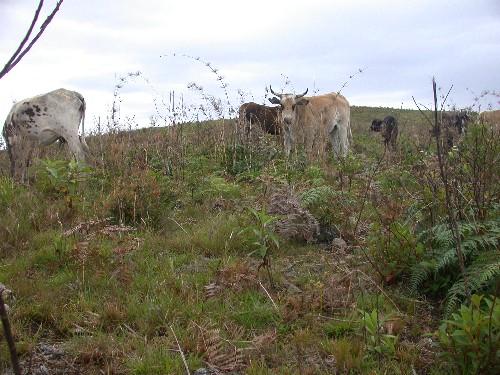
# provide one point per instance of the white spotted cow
(41, 121)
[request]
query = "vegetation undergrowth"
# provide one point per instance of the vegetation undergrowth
(143, 262)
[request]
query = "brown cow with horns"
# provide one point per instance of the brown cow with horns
(312, 121)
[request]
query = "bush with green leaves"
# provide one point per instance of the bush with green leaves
(249, 157)
(393, 250)
(474, 170)
(262, 237)
(371, 324)
(439, 270)
(470, 339)
(60, 178)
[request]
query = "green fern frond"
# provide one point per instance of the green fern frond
(483, 272)
(317, 195)
(480, 247)
(447, 258)
(421, 272)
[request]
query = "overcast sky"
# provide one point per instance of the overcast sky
(292, 45)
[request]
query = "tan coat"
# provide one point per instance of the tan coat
(311, 122)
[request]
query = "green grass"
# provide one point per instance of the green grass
(175, 279)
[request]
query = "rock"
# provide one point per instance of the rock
(339, 244)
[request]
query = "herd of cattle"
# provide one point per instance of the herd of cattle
(307, 122)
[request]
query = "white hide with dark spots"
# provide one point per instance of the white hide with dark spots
(41, 121)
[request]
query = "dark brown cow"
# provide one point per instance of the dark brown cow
(389, 130)
(268, 118)
(453, 125)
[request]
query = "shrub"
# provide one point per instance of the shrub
(471, 337)
(394, 250)
(59, 178)
(376, 342)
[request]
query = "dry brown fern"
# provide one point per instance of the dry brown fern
(298, 222)
(218, 352)
(236, 277)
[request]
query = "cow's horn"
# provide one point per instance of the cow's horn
(272, 92)
(300, 96)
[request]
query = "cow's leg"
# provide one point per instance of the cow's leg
(394, 138)
(12, 159)
(20, 154)
(344, 138)
(309, 142)
(334, 140)
(76, 148)
(287, 143)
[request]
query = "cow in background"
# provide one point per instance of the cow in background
(41, 121)
(453, 125)
(268, 118)
(490, 117)
(313, 121)
(388, 127)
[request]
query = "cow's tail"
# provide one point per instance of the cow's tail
(82, 120)
(7, 133)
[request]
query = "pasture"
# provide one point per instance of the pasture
(150, 259)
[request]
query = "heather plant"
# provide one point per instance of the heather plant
(474, 173)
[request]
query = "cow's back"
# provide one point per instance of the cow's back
(316, 120)
(490, 117)
(46, 117)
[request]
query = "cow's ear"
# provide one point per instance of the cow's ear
(274, 100)
(302, 101)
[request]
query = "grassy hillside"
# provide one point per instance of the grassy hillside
(157, 257)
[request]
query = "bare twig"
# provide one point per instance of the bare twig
(449, 205)
(181, 352)
(443, 171)
(268, 295)
(350, 77)
(180, 226)
(8, 333)
(20, 52)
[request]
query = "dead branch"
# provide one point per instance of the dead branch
(181, 352)
(443, 168)
(22, 50)
(8, 333)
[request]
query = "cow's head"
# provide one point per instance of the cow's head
(376, 125)
(288, 103)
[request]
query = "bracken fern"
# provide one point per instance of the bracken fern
(480, 246)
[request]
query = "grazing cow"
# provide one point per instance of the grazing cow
(490, 117)
(268, 118)
(41, 121)
(313, 121)
(453, 125)
(389, 130)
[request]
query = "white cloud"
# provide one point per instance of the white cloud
(315, 44)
